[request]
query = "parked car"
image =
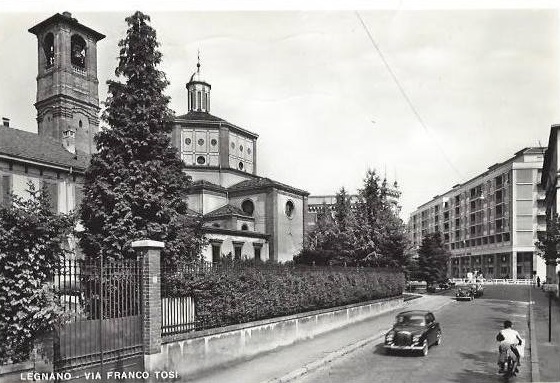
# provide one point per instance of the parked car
(414, 330)
(447, 284)
(464, 293)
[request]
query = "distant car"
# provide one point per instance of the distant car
(464, 293)
(477, 290)
(414, 330)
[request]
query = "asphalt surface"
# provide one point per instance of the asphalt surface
(287, 363)
(467, 354)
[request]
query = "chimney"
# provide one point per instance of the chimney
(6, 122)
(69, 140)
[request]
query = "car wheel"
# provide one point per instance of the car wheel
(438, 338)
(425, 348)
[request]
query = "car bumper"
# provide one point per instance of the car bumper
(394, 347)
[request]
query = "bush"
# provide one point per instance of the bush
(241, 292)
(31, 240)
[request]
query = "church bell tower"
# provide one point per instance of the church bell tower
(67, 85)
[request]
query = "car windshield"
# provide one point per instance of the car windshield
(412, 320)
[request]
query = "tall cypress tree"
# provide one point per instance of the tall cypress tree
(135, 187)
(432, 258)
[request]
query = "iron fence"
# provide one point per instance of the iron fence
(102, 312)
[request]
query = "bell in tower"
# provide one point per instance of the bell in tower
(67, 85)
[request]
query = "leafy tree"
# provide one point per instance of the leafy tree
(367, 233)
(380, 232)
(32, 242)
(432, 258)
(549, 244)
(135, 187)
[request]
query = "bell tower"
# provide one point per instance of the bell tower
(67, 85)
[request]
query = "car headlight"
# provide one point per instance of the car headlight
(416, 338)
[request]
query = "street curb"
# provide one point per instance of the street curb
(535, 373)
(291, 376)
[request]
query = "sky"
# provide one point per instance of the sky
(429, 96)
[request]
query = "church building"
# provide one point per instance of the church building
(245, 215)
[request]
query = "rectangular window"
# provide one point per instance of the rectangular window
(79, 196)
(52, 190)
(237, 252)
(198, 99)
(257, 253)
(6, 190)
(204, 98)
(216, 249)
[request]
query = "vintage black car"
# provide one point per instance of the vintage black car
(464, 293)
(414, 330)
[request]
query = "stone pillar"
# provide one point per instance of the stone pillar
(149, 253)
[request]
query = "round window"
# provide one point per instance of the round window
(289, 209)
(200, 141)
(200, 160)
(213, 142)
(248, 207)
(187, 141)
(240, 165)
(240, 148)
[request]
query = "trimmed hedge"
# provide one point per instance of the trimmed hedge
(240, 293)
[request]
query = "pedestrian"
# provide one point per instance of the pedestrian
(538, 281)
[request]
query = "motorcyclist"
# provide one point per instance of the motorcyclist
(509, 340)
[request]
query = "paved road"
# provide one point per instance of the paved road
(468, 353)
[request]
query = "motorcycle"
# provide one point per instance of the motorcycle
(510, 367)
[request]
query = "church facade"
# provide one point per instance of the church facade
(245, 215)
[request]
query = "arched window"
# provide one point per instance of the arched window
(289, 209)
(248, 207)
(48, 48)
(78, 51)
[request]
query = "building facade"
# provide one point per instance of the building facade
(245, 215)
(549, 185)
(490, 223)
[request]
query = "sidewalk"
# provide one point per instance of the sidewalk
(287, 363)
(546, 357)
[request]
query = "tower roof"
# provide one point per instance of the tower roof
(65, 17)
(196, 77)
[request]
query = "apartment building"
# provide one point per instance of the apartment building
(489, 223)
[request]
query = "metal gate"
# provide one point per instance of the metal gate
(102, 327)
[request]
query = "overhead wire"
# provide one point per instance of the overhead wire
(405, 96)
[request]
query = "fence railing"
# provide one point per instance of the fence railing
(177, 315)
(496, 281)
(103, 306)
